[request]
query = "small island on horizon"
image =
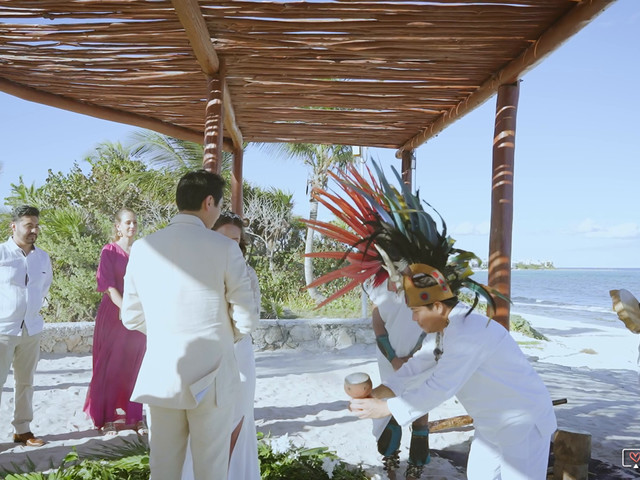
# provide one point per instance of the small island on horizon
(522, 265)
(529, 265)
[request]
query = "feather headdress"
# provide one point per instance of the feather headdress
(389, 233)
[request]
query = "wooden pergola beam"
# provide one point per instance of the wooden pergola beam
(236, 183)
(578, 17)
(190, 16)
(97, 111)
(213, 128)
(408, 164)
(500, 237)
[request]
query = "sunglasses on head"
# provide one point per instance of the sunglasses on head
(231, 215)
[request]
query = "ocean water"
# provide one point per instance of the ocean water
(577, 294)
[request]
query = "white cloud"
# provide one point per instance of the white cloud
(588, 226)
(591, 229)
(470, 228)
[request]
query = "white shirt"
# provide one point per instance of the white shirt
(24, 283)
(485, 369)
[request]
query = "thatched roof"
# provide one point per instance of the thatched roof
(354, 72)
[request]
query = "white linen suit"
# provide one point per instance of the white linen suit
(187, 288)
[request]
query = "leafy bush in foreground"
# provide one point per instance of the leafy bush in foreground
(279, 460)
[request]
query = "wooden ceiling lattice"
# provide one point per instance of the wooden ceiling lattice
(371, 73)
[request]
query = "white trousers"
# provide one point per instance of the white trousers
(244, 464)
(209, 427)
(23, 351)
(524, 460)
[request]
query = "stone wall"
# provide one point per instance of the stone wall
(308, 334)
(312, 334)
(67, 337)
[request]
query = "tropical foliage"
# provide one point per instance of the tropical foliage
(320, 159)
(279, 460)
(76, 211)
(77, 208)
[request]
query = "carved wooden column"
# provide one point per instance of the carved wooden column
(408, 163)
(502, 198)
(237, 205)
(213, 125)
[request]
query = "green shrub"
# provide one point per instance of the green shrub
(281, 460)
(522, 325)
(132, 467)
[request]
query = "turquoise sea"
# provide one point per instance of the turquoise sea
(580, 294)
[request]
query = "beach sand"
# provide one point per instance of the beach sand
(300, 394)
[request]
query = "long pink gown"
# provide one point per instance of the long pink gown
(117, 351)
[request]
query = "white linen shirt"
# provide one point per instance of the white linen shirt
(485, 369)
(24, 283)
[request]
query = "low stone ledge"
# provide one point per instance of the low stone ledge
(312, 333)
(67, 337)
(307, 334)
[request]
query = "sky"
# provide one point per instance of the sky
(577, 158)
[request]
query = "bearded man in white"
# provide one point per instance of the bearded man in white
(188, 289)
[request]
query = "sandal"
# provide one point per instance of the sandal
(109, 429)
(141, 428)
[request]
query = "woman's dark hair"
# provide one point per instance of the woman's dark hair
(195, 186)
(230, 218)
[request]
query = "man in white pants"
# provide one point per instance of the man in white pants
(481, 364)
(398, 339)
(187, 288)
(25, 277)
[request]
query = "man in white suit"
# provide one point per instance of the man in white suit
(187, 288)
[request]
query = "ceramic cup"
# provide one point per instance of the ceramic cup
(358, 385)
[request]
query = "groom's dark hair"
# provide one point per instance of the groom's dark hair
(195, 186)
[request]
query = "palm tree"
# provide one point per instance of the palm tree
(320, 159)
(172, 156)
(179, 156)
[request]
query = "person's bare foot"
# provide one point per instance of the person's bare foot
(414, 472)
(109, 429)
(391, 464)
(141, 428)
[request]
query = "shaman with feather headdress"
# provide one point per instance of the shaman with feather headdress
(391, 235)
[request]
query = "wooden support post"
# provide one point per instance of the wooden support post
(213, 124)
(502, 198)
(571, 452)
(237, 205)
(408, 163)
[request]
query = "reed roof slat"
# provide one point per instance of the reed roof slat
(359, 72)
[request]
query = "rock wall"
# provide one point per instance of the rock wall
(312, 334)
(307, 334)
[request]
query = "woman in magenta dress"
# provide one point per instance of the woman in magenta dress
(117, 351)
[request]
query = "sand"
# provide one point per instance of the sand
(300, 394)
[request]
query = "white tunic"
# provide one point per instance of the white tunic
(484, 367)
